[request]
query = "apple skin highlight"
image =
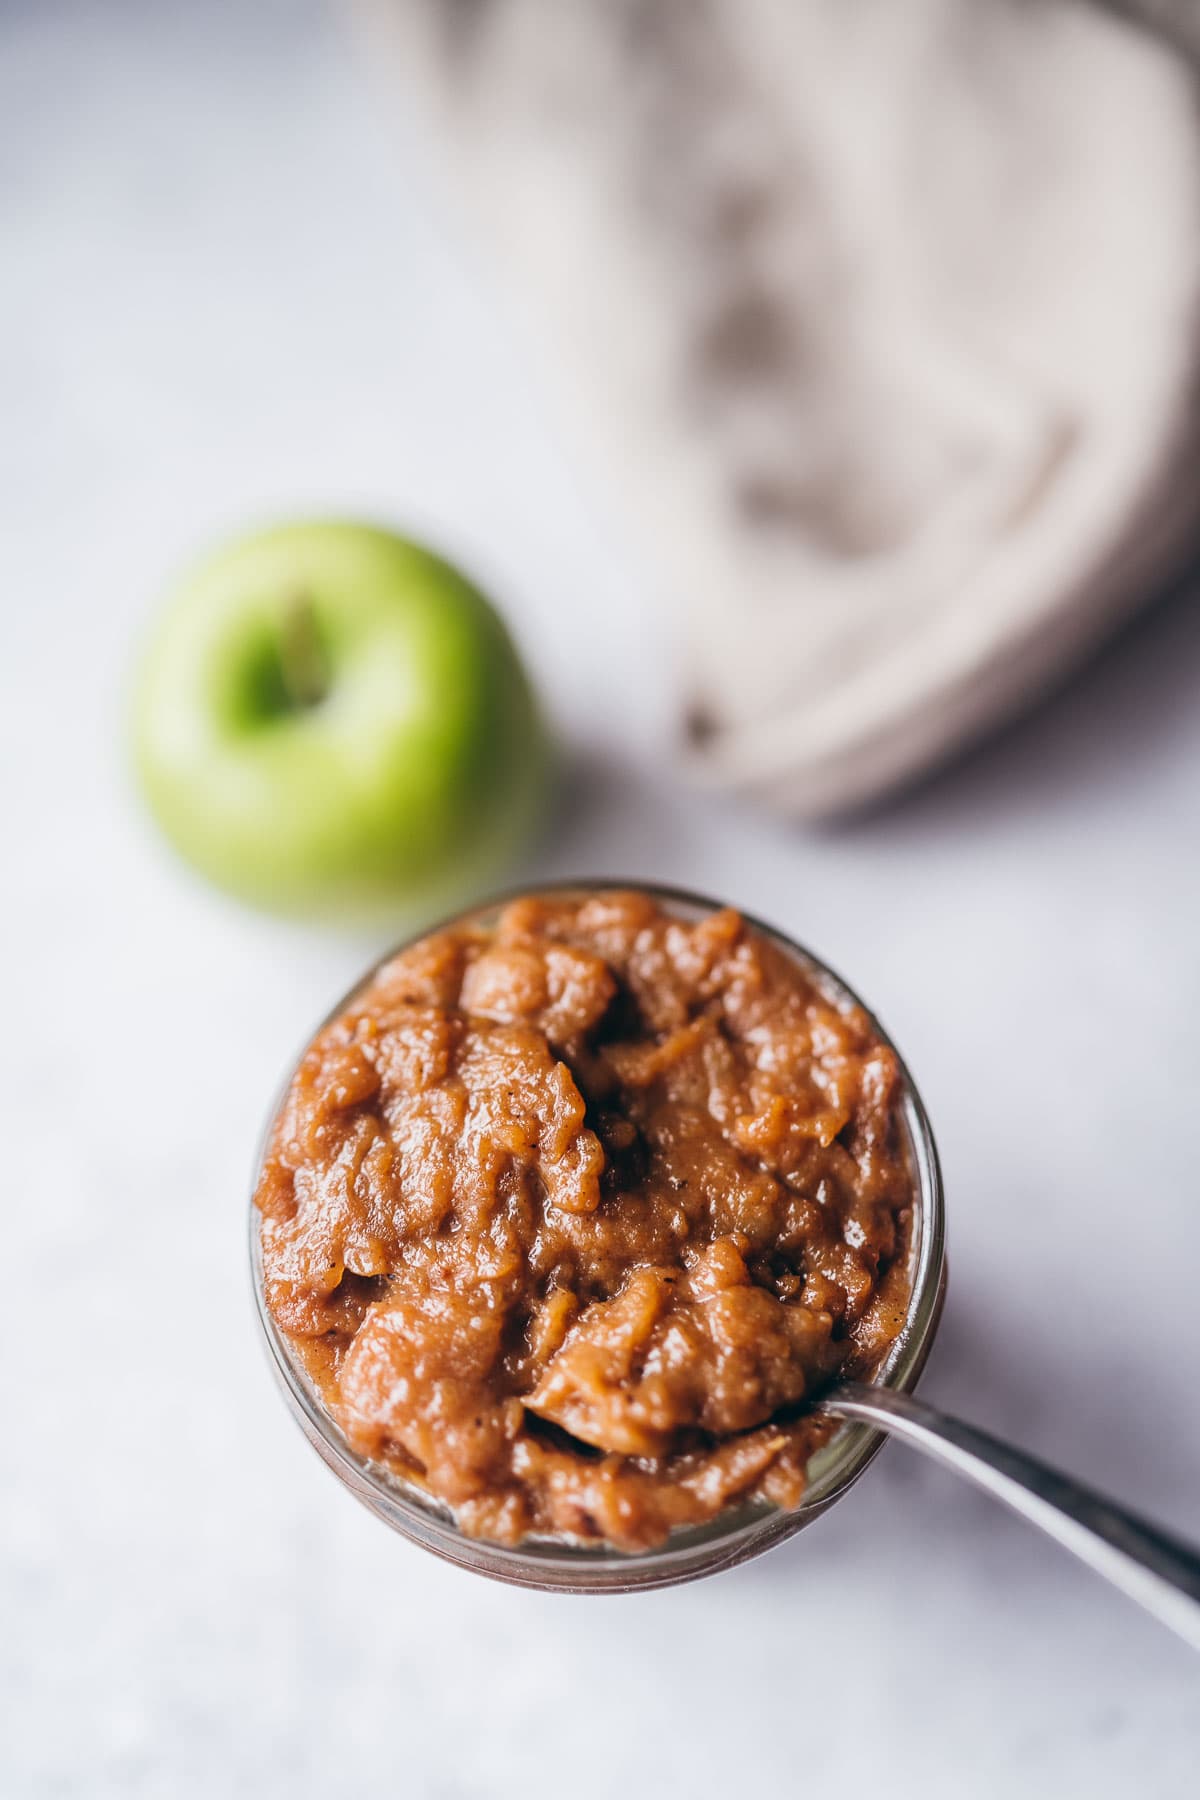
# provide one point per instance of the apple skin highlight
(332, 722)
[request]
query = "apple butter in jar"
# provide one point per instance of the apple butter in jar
(572, 1205)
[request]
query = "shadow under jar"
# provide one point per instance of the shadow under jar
(743, 1527)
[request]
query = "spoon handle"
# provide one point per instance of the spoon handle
(1160, 1572)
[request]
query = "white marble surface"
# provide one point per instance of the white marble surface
(228, 291)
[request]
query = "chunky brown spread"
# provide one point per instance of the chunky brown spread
(563, 1214)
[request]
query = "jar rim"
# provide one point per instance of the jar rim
(736, 1533)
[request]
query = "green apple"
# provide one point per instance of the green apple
(331, 721)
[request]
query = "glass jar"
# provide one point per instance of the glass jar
(741, 1531)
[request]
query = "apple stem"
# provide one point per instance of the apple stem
(303, 663)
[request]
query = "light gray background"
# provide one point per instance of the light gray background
(229, 290)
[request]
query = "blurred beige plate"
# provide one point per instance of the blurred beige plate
(882, 318)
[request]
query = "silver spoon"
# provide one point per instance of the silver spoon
(1160, 1572)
